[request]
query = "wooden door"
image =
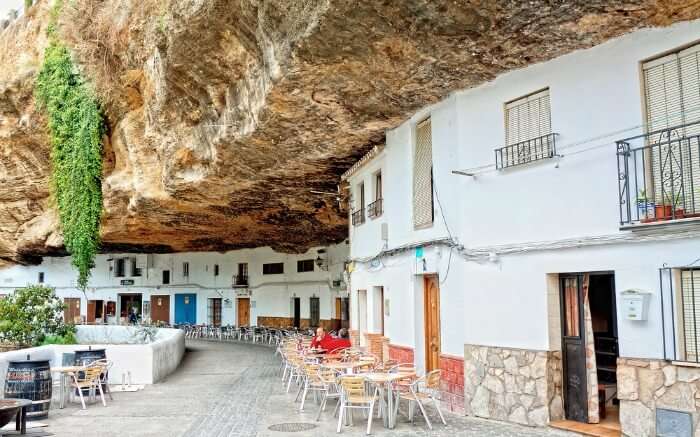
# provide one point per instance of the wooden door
(160, 308)
(432, 323)
(573, 348)
(243, 311)
(91, 309)
(338, 314)
(215, 311)
(71, 313)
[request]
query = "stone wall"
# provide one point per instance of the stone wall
(645, 385)
(515, 385)
(375, 345)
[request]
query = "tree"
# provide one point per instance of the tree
(28, 4)
(30, 314)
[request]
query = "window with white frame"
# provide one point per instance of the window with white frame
(672, 101)
(528, 128)
(423, 210)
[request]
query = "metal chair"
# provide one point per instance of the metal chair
(426, 388)
(353, 396)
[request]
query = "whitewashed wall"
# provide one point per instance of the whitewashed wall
(595, 100)
(271, 294)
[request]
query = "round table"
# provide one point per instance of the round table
(17, 409)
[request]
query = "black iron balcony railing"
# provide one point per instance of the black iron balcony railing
(374, 209)
(240, 280)
(659, 175)
(358, 217)
(525, 152)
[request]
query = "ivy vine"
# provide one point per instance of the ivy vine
(76, 127)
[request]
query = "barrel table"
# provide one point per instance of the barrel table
(30, 380)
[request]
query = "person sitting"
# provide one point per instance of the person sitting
(327, 342)
(320, 335)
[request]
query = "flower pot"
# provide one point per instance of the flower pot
(666, 212)
(646, 211)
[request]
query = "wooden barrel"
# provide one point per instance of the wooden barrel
(30, 380)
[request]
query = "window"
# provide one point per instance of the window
(119, 268)
(135, 270)
(166, 276)
(186, 269)
(315, 312)
(378, 186)
(374, 209)
(41, 277)
(241, 278)
(672, 99)
(690, 313)
(423, 214)
(216, 270)
(528, 127)
(305, 265)
(273, 269)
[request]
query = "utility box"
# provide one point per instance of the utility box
(635, 304)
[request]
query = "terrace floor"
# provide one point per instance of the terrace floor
(225, 389)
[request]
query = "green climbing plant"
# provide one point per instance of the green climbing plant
(76, 127)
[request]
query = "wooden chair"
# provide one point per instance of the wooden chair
(88, 379)
(353, 395)
(424, 389)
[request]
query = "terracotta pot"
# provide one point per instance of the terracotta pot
(665, 212)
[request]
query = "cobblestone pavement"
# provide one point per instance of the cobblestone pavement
(230, 389)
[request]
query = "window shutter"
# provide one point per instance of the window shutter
(690, 295)
(422, 176)
(528, 118)
(672, 98)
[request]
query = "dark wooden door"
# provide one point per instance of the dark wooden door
(338, 314)
(297, 312)
(215, 311)
(160, 308)
(574, 348)
(243, 311)
(71, 312)
(432, 323)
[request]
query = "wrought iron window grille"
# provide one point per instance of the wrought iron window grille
(525, 152)
(375, 209)
(358, 217)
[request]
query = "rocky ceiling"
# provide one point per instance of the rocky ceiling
(224, 115)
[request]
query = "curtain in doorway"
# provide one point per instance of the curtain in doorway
(591, 368)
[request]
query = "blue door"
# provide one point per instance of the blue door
(185, 309)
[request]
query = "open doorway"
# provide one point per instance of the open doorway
(589, 348)
(296, 308)
(95, 311)
(131, 303)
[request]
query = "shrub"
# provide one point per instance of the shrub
(31, 314)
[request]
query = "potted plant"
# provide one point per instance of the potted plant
(671, 207)
(646, 208)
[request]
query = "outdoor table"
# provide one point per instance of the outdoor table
(64, 372)
(343, 366)
(386, 380)
(7, 409)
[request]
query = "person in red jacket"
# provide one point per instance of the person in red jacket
(327, 342)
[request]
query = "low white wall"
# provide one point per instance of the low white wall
(147, 363)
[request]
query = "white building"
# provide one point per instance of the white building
(251, 287)
(463, 262)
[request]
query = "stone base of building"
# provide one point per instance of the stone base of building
(643, 386)
(402, 354)
(452, 383)
(514, 385)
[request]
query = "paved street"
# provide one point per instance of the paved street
(234, 390)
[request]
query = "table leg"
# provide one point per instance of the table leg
(18, 420)
(390, 413)
(62, 401)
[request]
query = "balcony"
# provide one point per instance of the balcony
(240, 281)
(525, 152)
(659, 176)
(358, 217)
(375, 209)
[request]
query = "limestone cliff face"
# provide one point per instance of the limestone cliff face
(224, 115)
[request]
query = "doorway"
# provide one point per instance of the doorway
(186, 309)
(95, 311)
(597, 291)
(160, 309)
(243, 311)
(71, 312)
(296, 320)
(130, 303)
(431, 289)
(214, 311)
(315, 312)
